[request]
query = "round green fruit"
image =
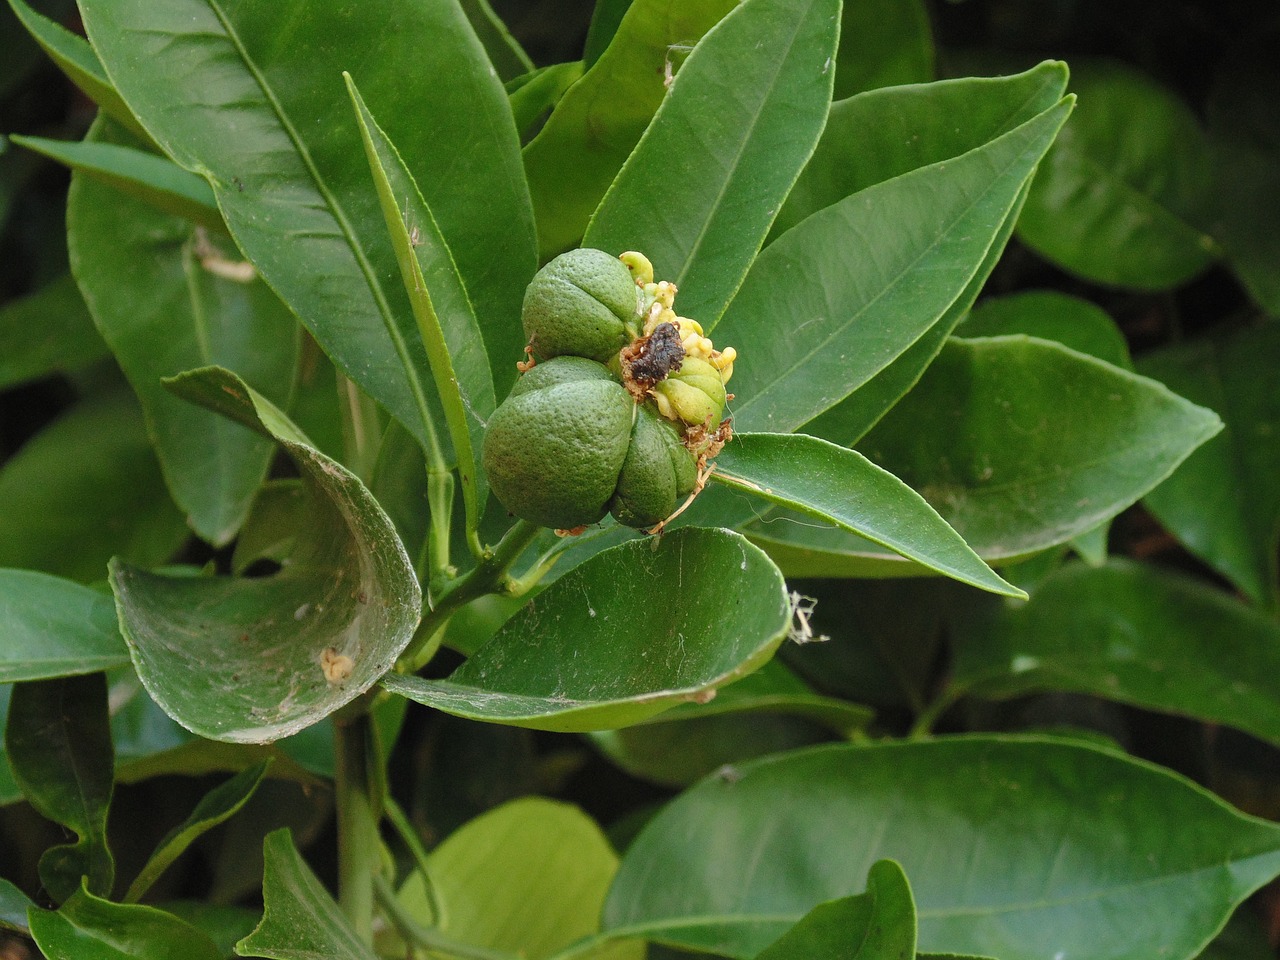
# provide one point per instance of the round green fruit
(570, 445)
(584, 303)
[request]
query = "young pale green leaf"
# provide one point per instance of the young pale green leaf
(634, 630)
(49, 331)
(1062, 848)
(883, 43)
(90, 928)
(1130, 633)
(877, 925)
(1022, 444)
(446, 321)
(218, 805)
(594, 127)
(58, 741)
(254, 660)
(55, 628)
(503, 50)
(94, 472)
(1224, 503)
(841, 486)
(606, 17)
(158, 182)
(815, 318)
(301, 921)
(1119, 197)
(529, 878)
(700, 190)
(882, 134)
(13, 907)
(255, 117)
(543, 91)
(76, 59)
(168, 296)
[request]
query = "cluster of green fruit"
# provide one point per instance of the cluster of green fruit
(619, 406)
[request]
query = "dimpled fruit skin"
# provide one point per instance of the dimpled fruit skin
(554, 448)
(581, 304)
(657, 473)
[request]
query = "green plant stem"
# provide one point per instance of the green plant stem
(490, 575)
(427, 937)
(927, 717)
(440, 508)
(361, 429)
(358, 841)
(400, 821)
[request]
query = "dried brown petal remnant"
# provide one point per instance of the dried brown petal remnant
(650, 359)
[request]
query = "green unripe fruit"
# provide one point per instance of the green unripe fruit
(694, 394)
(658, 473)
(584, 303)
(570, 444)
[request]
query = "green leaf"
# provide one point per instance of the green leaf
(606, 17)
(301, 921)
(504, 52)
(59, 746)
(1119, 198)
(541, 93)
(218, 805)
(451, 334)
(150, 278)
(13, 907)
(843, 487)
(1017, 848)
(1022, 444)
(255, 117)
(596, 650)
(1050, 315)
(89, 928)
(49, 331)
(55, 628)
(158, 182)
(76, 59)
(877, 925)
(254, 660)
(528, 877)
(1223, 504)
(843, 320)
(724, 149)
(1131, 633)
(83, 489)
(882, 134)
(594, 127)
(885, 43)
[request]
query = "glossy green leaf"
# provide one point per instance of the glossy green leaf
(841, 486)
(218, 805)
(1223, 504)
(1050, 315)
(13, 907)
(254, 660)
(882, 134)
(528, 877)
(503, 50)
(883, 43)
(877, 925)
(89, 928)
(446, 321)
(226, 98)
(1120, 198)
(84, 489)
(158, 182)
(151, 278)
(595, 650)
(594, 127)
(1017, 848)
(1022, 444)
(55, 628)
(1132, 633)
(59, 747)
(49, 331)
(765, 712)
(301, 922)
(76, 59)
(846, 318)
(542, 93)
(726, 145)
(606, 16)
